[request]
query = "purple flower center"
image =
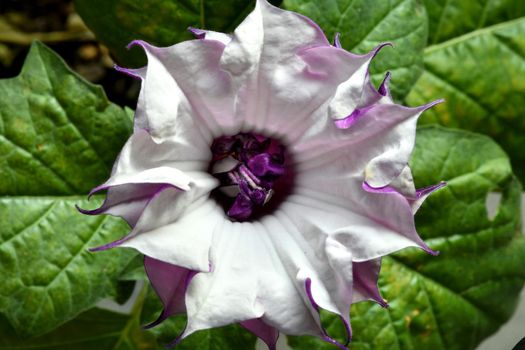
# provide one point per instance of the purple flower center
(250, 168)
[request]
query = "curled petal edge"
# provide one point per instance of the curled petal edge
(266, 333)
(413, 203)
(317, 308)
(102, 209)
(179, 279)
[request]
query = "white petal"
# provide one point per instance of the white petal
(276, 91)
(248, 280)
(156, 232)
(141, 153)
(184, 242)
(370, 224)
(186, 96)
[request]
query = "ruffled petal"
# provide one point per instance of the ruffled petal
(186, 98)
(325, 336)
(167, 230)
(127, 201)
(176, 229)
(276, 92)
(365, 276)
(378, 145)
(371, 225)
(260, 329)
(170, 282)
(141, 153)
(248, 281)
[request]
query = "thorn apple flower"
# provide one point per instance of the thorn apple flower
(265, 177)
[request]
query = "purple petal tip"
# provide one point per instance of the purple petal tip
(197, 33)
(337, 41)
(130, 72)
(432, 104)
(136, 42)
(383, 88)
(433, 252)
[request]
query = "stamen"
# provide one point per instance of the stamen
(260, 162)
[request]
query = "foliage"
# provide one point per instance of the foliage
(59, 136)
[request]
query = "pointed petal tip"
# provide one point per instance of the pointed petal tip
(89, 211)
(426, 191)
(332, 341)
(326, 337)
(154, 323)
(383, 303)
(432, 104)
(433, 252)
(80, 210)
(379, 47)
(383, 88)
(337, 41)
(137, 42)
(130, 72)
(197, 33)
(109, 245)
(173, 343)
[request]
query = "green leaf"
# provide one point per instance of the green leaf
(452, 18)
(161, 22)
(58, 138)
(454, 300)
(59, 135)
(480, 74)
(364, 24)
(223, 338)
(94, 329)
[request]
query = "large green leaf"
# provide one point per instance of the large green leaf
(94, 329)
(452, 18)
(58, 138)
(364, 24)
(479, 72)
(160, 22)
(454, 300)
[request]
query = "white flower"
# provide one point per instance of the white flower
(324, 194)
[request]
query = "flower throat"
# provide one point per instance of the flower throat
(255, 169)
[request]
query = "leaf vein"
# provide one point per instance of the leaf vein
(70, 187)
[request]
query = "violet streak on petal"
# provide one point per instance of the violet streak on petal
(263, 331)
(170, 282)
(269, 155)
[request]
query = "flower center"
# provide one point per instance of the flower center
(250, 168)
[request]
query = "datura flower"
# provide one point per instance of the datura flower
(265, 177)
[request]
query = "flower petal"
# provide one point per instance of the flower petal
(248, 281)
(210, 35)
(170, 282)
(177, 229)
(366, 274)
(275, 91)
(187, 98)
(370, 224)
(266, 333)
(127, 201)
(382, 141)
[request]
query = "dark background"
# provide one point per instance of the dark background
(55, 23)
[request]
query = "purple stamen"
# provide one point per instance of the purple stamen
(261, 163)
